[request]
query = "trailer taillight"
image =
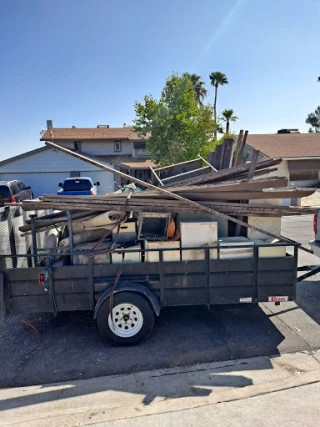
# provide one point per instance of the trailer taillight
(315, 223)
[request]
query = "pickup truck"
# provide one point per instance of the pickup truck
(78, 187)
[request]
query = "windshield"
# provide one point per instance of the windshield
(4, 192)
(77, 185)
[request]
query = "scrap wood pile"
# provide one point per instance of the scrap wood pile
(226, 191)
(228, 187)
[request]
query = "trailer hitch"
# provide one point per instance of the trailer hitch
(311, 271)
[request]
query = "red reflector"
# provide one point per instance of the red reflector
(278, 299)
(315, 221)
(13, 199)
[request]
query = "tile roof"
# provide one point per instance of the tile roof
(74, 134)
(294, 145)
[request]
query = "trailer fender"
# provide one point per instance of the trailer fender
(132, 287)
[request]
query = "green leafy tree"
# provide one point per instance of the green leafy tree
(178, 127)
(313, 119)
(228, 116)
(216, 79)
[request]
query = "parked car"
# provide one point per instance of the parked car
(14, 191)
(80, 186)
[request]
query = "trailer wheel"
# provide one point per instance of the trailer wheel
(132, 319)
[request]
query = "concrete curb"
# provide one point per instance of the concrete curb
(106, 399)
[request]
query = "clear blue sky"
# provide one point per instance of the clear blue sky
(83, 63)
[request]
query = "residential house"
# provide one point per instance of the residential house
(300, 153)
(43, 168)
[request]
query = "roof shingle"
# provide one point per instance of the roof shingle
(75, 134)
(286, 145)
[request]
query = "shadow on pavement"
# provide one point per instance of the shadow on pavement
(73, 349)
(147, 386)
(308, 298)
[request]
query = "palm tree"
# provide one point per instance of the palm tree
(198, 85)
(228, 116)
(216, 79)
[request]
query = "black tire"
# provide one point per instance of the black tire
(130, 298)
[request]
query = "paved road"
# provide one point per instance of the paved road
(72, 348)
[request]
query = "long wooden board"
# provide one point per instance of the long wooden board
(165, 191)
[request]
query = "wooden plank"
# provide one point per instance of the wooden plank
(253, 163)
(241, 149)
(215, 158)
(182, 281)
(30, 304)
(277, 278)
(228, 153)
(239, 142)
(272, 210)
(231, 280)
(164, 191)
(219, 295)
(178, 168)
(228, 173)
(137, 269)
(193, 194)
(188, 296)
(71, 302)
(70, 286)
(239, 185)
(187, 175)
(276, 264)
(223, 265)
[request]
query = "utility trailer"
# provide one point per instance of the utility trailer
(126, 297)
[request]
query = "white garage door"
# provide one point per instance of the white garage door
(105, 178)
(41, 183)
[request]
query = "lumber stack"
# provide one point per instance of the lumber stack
(230, 197)
(192, 187)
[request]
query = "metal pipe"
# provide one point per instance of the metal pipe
(207, 163)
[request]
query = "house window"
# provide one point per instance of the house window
(117, 146)
(77, 145)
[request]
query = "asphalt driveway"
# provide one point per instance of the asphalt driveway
(71, 346)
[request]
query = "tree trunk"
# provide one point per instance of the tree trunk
(227, 127)
(215, 107)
